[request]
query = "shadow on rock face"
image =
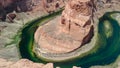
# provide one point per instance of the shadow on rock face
(8, 6)
(2, 14)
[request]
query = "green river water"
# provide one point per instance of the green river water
(108, 30)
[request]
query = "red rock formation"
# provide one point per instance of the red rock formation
(8, 6)
(53, 5)
(73, 30)
(24, 5)
(6, 3)
(75, 17)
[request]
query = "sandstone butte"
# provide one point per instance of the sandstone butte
(67, 32)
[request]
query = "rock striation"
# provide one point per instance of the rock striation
(68, 32)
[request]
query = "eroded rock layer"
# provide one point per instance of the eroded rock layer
(68, 32)
(53, 5)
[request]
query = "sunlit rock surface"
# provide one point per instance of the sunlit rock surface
(23, 63)
(10, 30)
(69, 31)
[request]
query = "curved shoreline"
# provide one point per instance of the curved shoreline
(81, 63)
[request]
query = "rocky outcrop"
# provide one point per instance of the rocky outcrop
(53, 5)
(17, 5)
(76, 19)
(8, 6)
(23, 63)
(24, 5)
(68, 32)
